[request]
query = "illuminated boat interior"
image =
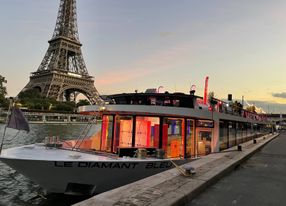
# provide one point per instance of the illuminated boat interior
(159, 122)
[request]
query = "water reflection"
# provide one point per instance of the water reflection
(17, 190)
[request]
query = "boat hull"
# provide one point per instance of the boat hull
(86, 177)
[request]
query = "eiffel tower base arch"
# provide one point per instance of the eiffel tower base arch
(61, 86)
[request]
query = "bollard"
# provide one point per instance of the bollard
(239, 148)
(254, 141)
(189, 170)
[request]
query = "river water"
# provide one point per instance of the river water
(17, 190)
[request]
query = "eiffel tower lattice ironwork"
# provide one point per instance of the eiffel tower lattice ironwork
(62, 73)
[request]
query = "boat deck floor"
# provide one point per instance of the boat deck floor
(43, 153)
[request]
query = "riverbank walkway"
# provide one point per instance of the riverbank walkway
(171, 187)
(259, 181)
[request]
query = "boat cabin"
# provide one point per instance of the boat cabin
(170, 124)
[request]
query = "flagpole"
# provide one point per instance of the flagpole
(7, 119)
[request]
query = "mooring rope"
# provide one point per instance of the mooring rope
(182, 171)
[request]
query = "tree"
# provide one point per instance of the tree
(3, 92)
(237, 107)
(29, 94)
(251, 108)
(64, 106)
(212, 100)
(32, 99)
(211, 95)
(82, 102)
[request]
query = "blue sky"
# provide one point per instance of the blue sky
(139, 44)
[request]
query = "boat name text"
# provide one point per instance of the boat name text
(113, 165)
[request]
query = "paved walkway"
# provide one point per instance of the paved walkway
(172, 188)
(259, 181)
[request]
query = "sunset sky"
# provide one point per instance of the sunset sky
(140, 44)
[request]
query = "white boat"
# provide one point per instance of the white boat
(142, 134)
(74, 172)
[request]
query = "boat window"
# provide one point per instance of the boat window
(232, 133)
(223, 135)
(106, 133)
(172, 138)
(123, 132)
(147, 131)
(190, 138)
(239, 132)
(244, 131)
(176, 102)
(255, 129)
(204, 141)
(250, 131)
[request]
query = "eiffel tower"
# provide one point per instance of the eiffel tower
(62, 73)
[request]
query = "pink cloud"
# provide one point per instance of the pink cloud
(159, 61)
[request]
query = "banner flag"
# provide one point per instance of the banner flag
(17, 120)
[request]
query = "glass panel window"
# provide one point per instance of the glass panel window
(239, 132)
(250, 130)
(244, 131)
(231, 132)
(204, 141)
(172, 142)
(223, 135)
(255, 127)
(190, 138)
(106, 133)
(147, 132)
(123, 132)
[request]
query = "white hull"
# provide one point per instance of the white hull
(83, 175)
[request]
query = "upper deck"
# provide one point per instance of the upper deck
(173, 104)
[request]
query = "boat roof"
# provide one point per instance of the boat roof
(177, 99)
(170, 104)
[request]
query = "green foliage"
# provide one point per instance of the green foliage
(33, 100)
(211, 99)
(210, 95)
(65, 106)
(251, 109)
(237, 107)
(213, 102)
(29, 94)
(82, 102)
(3, 92)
